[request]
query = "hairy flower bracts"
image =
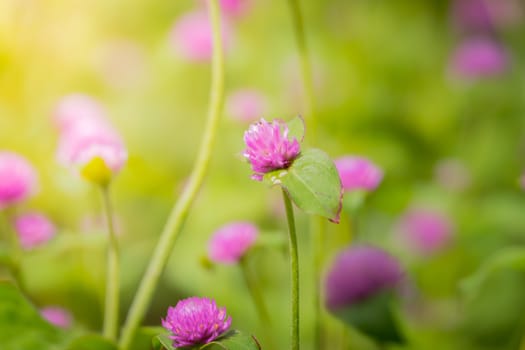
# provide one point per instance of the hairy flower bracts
(269, 148)
(195, 321)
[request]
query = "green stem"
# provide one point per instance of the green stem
(14, 266)
(294, 273)
(255, 292)
(111, 305)
(180, 210)
(306, 69)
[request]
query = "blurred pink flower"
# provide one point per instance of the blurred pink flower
(235, 8)
(478, 58)
(34, 229)
(246, 105)
(358, 173)
(230, 242)
(191, 36)
(268, 147)
(472, 15)
(57, 316)
(425, 231)
(86, 134)
(18, 179)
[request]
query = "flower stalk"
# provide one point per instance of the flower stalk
(180, 211)
(111, 303)
(294, 271)
(255, 292)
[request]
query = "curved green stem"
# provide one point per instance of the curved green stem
(111, 304)
(255, 292)
(180, 210)
(306, 67)
(294, 273)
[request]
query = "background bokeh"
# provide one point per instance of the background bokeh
(450, 138)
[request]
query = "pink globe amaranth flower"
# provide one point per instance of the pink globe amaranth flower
(34, 229)
(268, 147)
(18, 179)
(191, 36)
(358, 273)
(86, 134)
(196, 321)
(425, 231)
(230, 242)
(246, 105)
(57, 316)
(77, 111)
(358, 173)
(479, 57)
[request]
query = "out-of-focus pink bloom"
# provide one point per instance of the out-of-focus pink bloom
(358, 273)
(191, 36)
(425, 231)
(196, 321)
(452, 174)
(18, 179)
(77, 111)
(358, 173)
(57, 316)
(472, 15)
(268, 147)
(229, 243)
(86, 134)
(34, 229)
(246, 105)
(478, 58)
(235, 8)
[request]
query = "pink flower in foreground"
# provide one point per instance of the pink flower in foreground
(34, 229)
(425, 231)
(191, 36)
(478, 58)
(18, 179)
(246, 105)
(358, 173)
(88, 141)
(268, 147)
(57, 316)
(229, 243)
(196, 321)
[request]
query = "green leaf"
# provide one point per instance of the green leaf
(233, 340)
(374, 317)
(91, 342)
(296, 128)
(163, 341)
(313, 184)
(22, 327)
(145, 337)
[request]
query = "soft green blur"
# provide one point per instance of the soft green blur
(383, 90)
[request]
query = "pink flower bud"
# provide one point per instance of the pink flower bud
(18, 179)
(34, 229)
(246, 105)
(57, 316)
(478, 58)
(358, 173)
(229, 243)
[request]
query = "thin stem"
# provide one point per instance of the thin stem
(255, 292)
(180, 210)
(14, 266)
(294, 273)
(306, 69)
(111, 307)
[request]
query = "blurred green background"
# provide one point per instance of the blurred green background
(384, 90)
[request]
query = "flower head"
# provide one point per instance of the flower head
(195, 321)
(87, 140)
(478, 58)
(18, 179)
(360, 272)
(57, 316)
(246, 105)
(358, 173)
(191, 36)
(229, 243)
(269, 148)
(34, 229)
(425, 231)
